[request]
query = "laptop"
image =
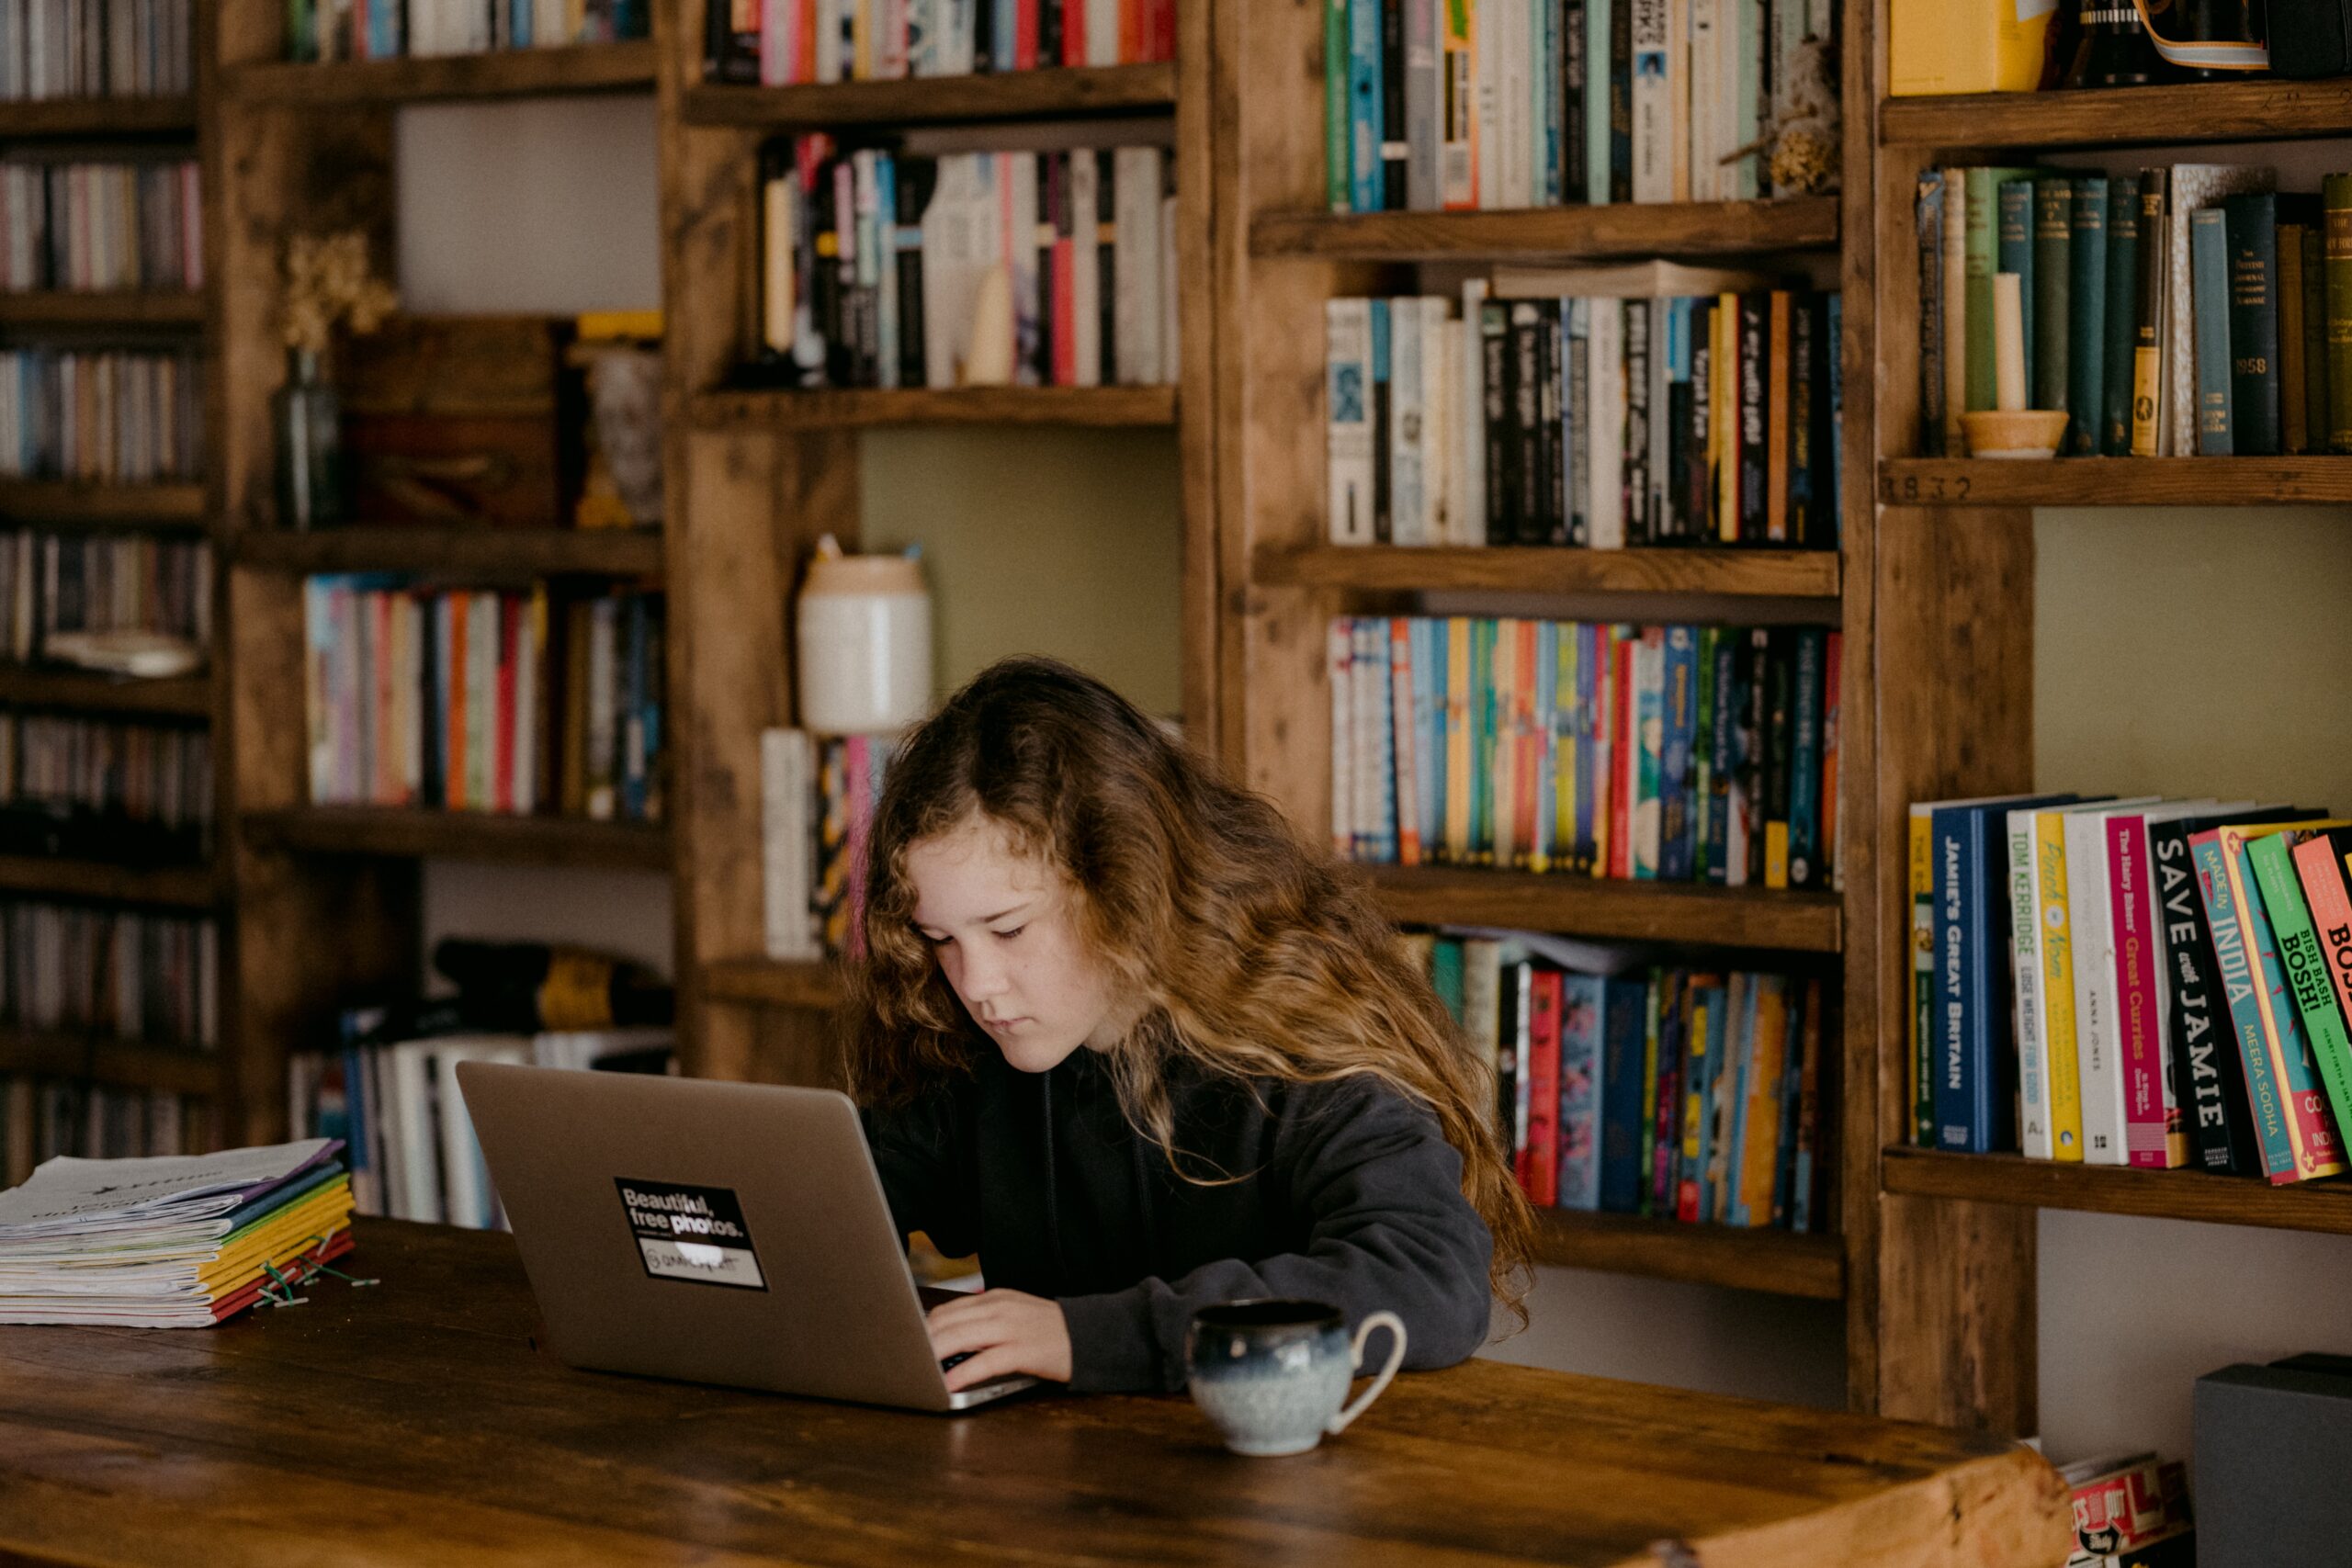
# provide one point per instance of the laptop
(716, 1232)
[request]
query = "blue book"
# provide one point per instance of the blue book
(1974, 1051)
(1677, 840)
(1624, 1035)
(1674, 523)
(1366, 181)
(2209, 266)
(1426, 639)
(2086, 307)
(1004, 37)
(1723, 755)
(1739, 1072)
(518, 23)
(1546, 45)
(1546, 848)
(1583, 1003)
(1805, 757)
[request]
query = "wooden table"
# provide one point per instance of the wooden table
(414, 1422)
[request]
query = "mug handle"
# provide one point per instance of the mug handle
(1395, 1326)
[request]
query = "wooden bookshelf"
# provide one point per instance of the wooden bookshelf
(2114, 481)
(769, 983)
(185, 696)
(2267, 109)
(101, 309)
(1060, 93)
(531, 552)
(1775, 1262)
(179, 886)
(2015, 1181)
(98, 118)
(1701, 229)
(1687, 913)
(119, 1064)
(500, 74)
(863, 408)
(1725, 573)
(460, 835)
(66, 502)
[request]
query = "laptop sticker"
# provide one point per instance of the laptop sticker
(695, 1234)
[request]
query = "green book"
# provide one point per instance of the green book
(2086, 318)
(2122, 302)
(2014, 253)
(1445, 974)
(2051, 328)
(1979, 250)
(2209, 268)
(2336, 200)
(2318, 400)
(1336, 146)
(2304, 962)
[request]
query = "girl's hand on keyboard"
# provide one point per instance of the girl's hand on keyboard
(1000, 1333)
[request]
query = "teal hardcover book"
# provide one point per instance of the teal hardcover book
(2086, 321)
(2015, 253)
(2209, 266)
(2049, 324)
(2122, 298)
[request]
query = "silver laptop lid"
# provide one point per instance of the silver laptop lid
(720, 1233)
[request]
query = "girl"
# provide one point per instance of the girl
(1124, 1036)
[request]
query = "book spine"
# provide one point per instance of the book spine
(2122, 314)
(2321, 868)
(1420, 128)
(1920, 1024)
(2209, 255)
(2311, 1131)
(2304, 966)
(1364, 171)
(2036, 1135)
(1640, 352)
(1696, 1071)
(2013, 253)
(2252, 231)
(2208, 1083)
(2335, 202)
(1529, 482)
(1543, 1020)
(1754, 330)
(2054, 287)
(1624, 1039)
(1779, 757)
(1574, 105)
(1982, 192)
(1597, 18)
(1621, 100)
(1605, 397)
(1776, 417)
(2294, 409)
(1395, 148)
(1583, 1083)
(1458, 108)
(2318, 397)
(1653, 111)
(2086, 316)
(1554, 409)
(1809, 646)
(1347, 419)
(1339, 119)
(2148, 1132)
(1401, 678)
(1576, 326)
(2240, 977)
(2147, 338)
(1675, 813)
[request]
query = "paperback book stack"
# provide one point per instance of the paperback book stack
(169, 1242)
(1654, 404)
(1666, 753)
(2137, 982)
(816, 800)
(1671, 1093)
(881, 268)
(2187, 310)
(484, 700)
(99, 582)
(109, 416)
(1522, 103)
(101, 226)
(787, 43)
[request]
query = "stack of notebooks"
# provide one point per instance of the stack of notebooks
(172, 1243)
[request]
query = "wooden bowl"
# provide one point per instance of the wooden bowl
(2014, 433)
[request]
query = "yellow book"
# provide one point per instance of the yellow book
(1723, 422)
(1938, 46)
(1776, 855)
(1760, 1131)
(2058, 984)
(1500, 776)
(1457, 740)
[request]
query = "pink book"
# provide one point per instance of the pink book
(2150, 1136)
(1400, 686)
(859, 788)
(2322, 874)
(1543, 1089)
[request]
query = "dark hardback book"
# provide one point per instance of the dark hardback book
(2336, 262)
(2054, 287)
(1756, 689)
(1624, 1039)
(1755, 456)
(2318, 406)
(1928, 224)
(1494, 352)
(1384, 414)
(2122, 305)
(918, 177)
(1639, 346)
(729, 53)
(1674, 523)
(1576, 327)
(1810, 645)
(2014, 253)
(2148, 346)
(1698, 480)
(1574, 187)
(1807, 392)
(1621, 102)
(1053, 228)
(1681, 723)
(1049, 32)
(2294, 411)
(2086, 316)
(1720, 736)
(2209, 271)
(1528, 488)
(2253, 221)
(1106, 292)
(1551, 418)
(1393, 149)
(1779, 753)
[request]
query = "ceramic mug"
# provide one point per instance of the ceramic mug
(1272, 1375)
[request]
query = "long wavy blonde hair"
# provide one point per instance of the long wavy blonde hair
(1253, 955)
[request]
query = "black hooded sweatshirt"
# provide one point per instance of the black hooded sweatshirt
(1347, 1193)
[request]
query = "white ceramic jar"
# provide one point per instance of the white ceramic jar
(865, 644)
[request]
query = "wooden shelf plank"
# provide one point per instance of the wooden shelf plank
(1779, 1262)
(1559, 233)
(962, 405)
(773, 983)
(460, 835)
(616, 552)
(112, 308)
(1792, 574)
(185, 696)
(499, 73)
(2265, 109)
(99, 117)
(2325, 1205)
(2114, 481)
(180, 886)
(123, 1063)
(1055, 93)
(1637, 911)
(66, 501)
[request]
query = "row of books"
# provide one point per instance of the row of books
(1545, 416)
(397, 1106)
(2183, 310)
(83, 226)
(882, 270)
(100, 582)
(483, 700)
(112, 416)
(332, 31)
(816, 800)
(1670, 753)
(104, 789)
(1623, 1088)
(43, 1118)
(1527, 103)
(110, 973)
(782, 43)
(2134, 982)
(90, 49)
